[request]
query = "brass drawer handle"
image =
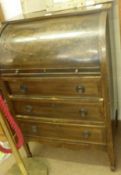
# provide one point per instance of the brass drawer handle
(17, 71)
(80, 89)
(34, 129)
(23, 88)
(83, 113)
(28, 108)
(86, 134)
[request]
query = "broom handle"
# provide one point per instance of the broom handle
(13, 146)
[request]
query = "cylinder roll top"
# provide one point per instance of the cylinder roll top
(61, 42)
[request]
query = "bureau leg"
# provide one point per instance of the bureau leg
(111, 156)
(116, 119)
(27, 150)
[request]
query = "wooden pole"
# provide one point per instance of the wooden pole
(13, 146)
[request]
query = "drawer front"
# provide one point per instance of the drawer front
(60, 131)
(60, 109)
(55, 86)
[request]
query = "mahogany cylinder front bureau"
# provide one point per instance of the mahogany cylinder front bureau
(56, 74)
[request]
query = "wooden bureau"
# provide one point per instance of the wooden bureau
(57, 77)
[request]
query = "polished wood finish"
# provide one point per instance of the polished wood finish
(79, 133)
(56, 75)
(50, 51)
(71, 110)
(60, 86)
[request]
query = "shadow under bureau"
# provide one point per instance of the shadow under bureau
(56, 74)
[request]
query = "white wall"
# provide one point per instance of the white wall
(33, 5)
(11, 8)
(14, 8)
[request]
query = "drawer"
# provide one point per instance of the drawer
(65, 132)
(60, 109)
(55, 86)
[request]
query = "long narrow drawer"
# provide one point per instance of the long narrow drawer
(60, 131)
(60, 109)
(55, 86)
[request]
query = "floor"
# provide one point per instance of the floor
(62, 161)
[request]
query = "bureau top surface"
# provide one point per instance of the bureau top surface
(54, 42)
